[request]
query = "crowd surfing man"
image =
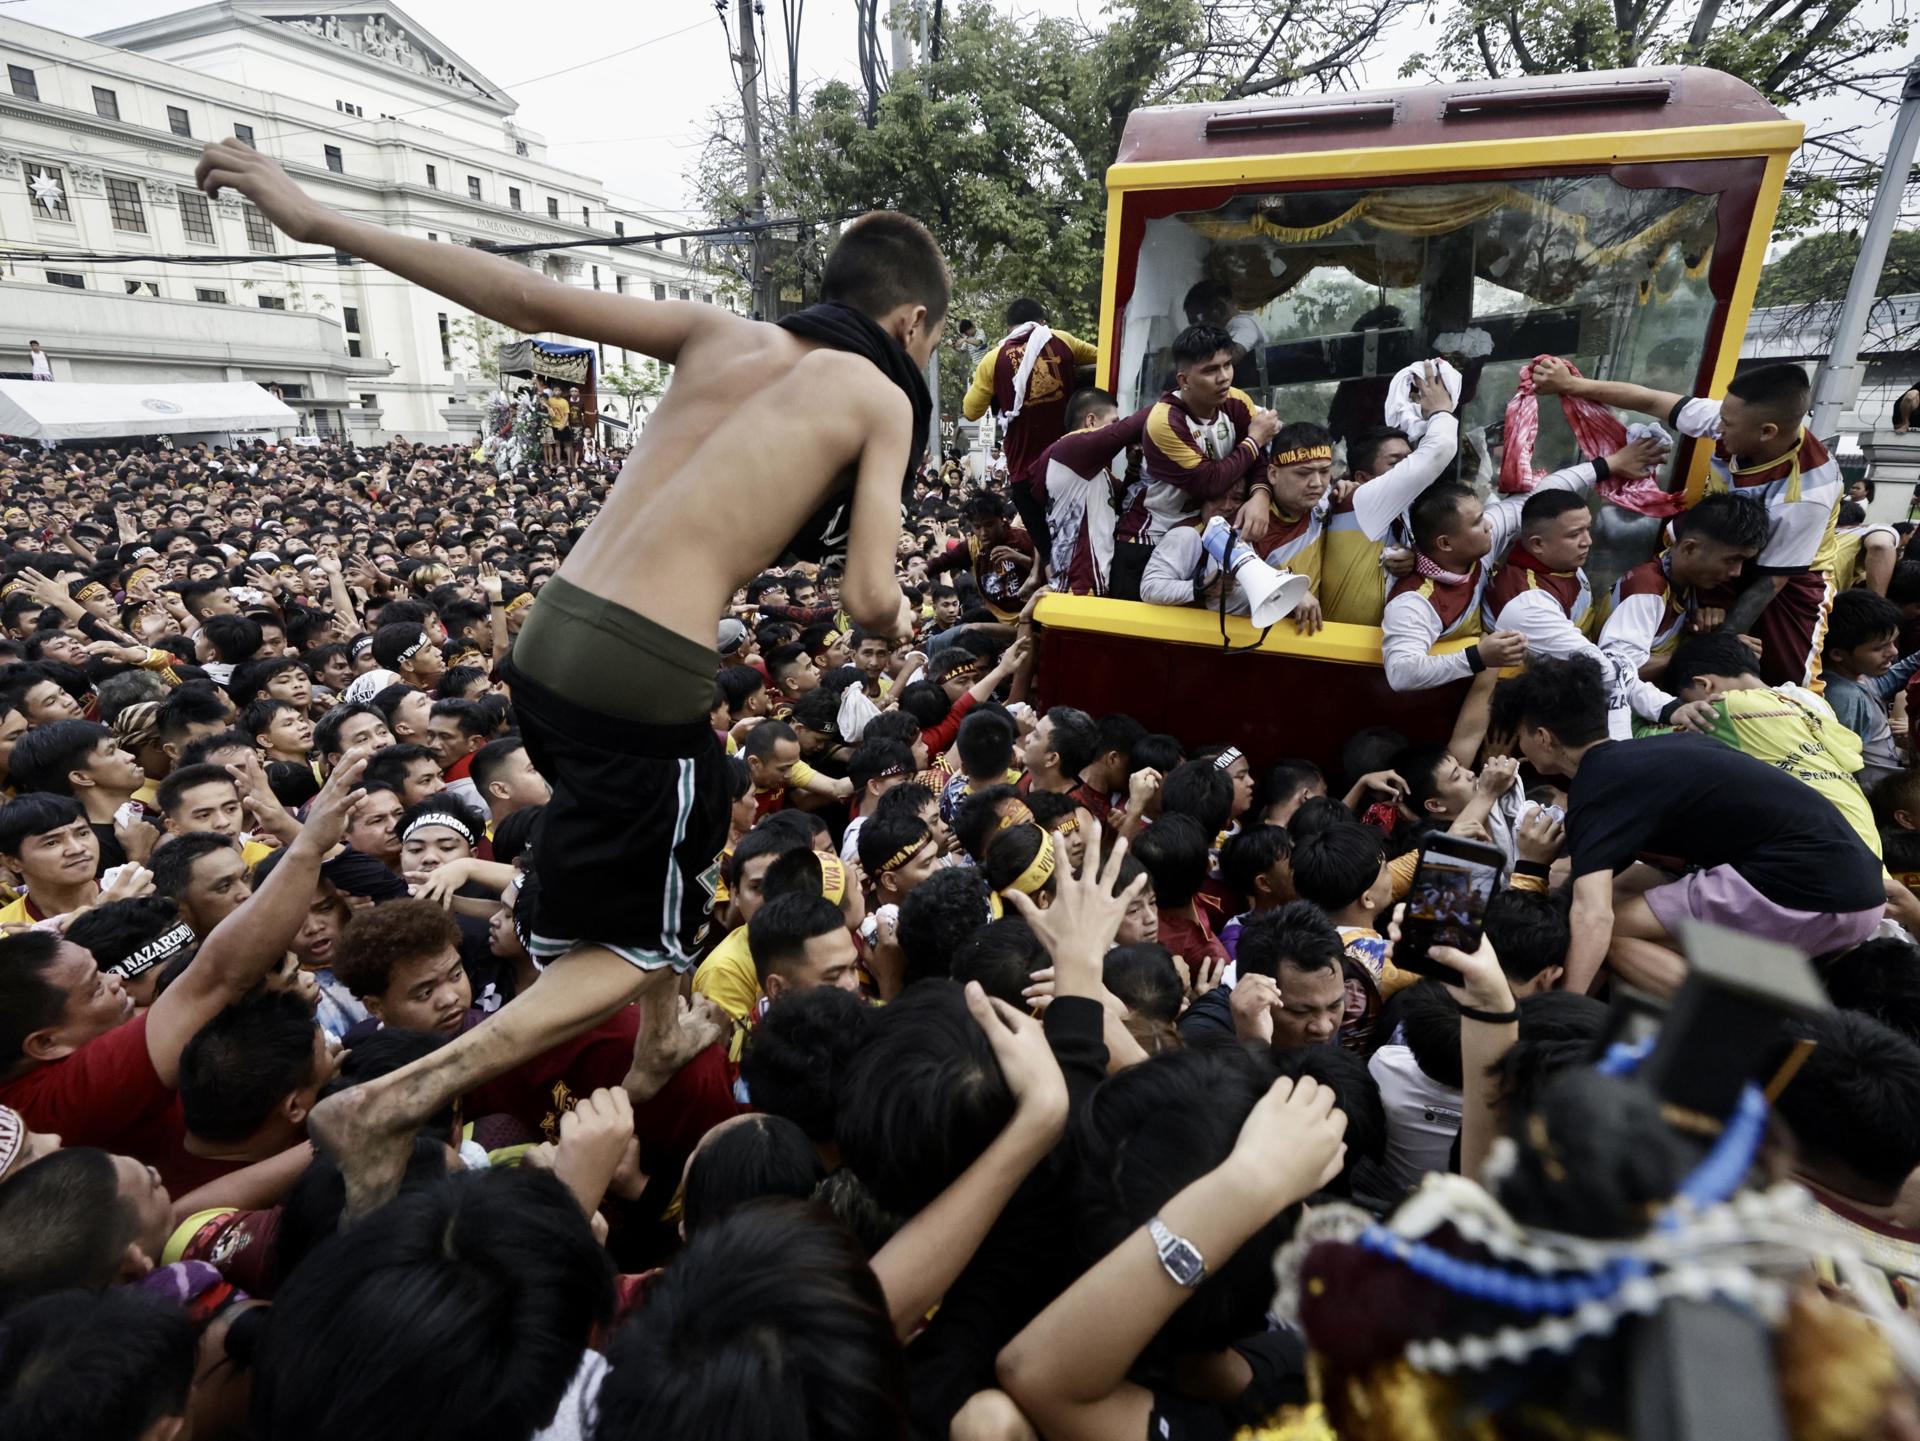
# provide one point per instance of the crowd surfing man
(852, 1169)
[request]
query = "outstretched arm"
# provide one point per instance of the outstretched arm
(488, 285)
(1552, 377)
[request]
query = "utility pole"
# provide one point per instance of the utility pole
(749, 63)
(1839, 384)
(898, 18)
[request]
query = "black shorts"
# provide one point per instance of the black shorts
(561, 432)
(1032, 510)
(627, 852)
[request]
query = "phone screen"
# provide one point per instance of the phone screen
(1446, 906)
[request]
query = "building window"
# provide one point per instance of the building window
(620, 284)
(685, 294)
(196, 218)
(67, 278)
(353, 346)
(272, 302)
(369, 402)
(259, 232)
(513, 196)
(553, 208)
(659, 291)
(520, 148)
(123, 204)
(706, 297)
(105, 103)
(244, 134)
(473, 187)
(177, 121)
(446, 341)
(334, 161)
(596, 277)
(350, 317)
(347, 107)
(658, 243)
(210, 297)
(433, 235)
(23, 83)
(143, 287)
(683, 245)
(586, 216)
(57, 209)
(619, 227)
(433, 177)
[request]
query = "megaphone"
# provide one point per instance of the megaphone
(1271, 594)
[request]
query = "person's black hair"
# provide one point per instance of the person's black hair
(762, 840)
(1419, 766)
(779, 932)
(887, 834)
(1010, 852)
(985, 744)
(1084, 402)
(250, 677)
(904, 800)
(875, 758)
(1298, 435)
(1855, 1101)
(1528, 931)
(1286, 777)
(471, 718)
(1155, 751)
(105, 1365)
(1002, 956)
(797, 872)
(1335, 867)
(1147, 1134)
(46, 755)
(1593, 1157)
(174, 858)
(1200, 789)
(1199, 343)
(1717, 653)
(764, 739)
(1559, 1030)
(243, 1063)
(1250, 853)
(1545, 506)
(1850, 512)
(739, 684)
(189, 704)
(770, 1325)
(112, 932)
(1117, 733)
(975, 819)
(1437, 511)
(326, 730)
(804, 826)
(1297, 934)
(885, 260)
(1174, 851)
(184, 778)
(1024, 311)
(1368, 749)
(921, 1099)
(797, 1052)
(1859, 617)
(1427, 1019)
(1903, 587)
(492, 1276)
(491, 758)
(739, 775)
(258, 714)
(1363, 447)
(1878, 978)
(389, 764)
(1567, 698)
(65, 1225)
(937, 916)
(925, 702)
(234, 638)
(756, 1157)
(1782, 390)
(1355, 1094)
(1076, 739)
(1142, 975)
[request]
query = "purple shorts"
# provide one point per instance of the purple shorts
(1724, 897)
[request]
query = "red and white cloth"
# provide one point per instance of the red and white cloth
(1597, 430)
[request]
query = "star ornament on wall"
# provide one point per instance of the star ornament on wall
(46, 192)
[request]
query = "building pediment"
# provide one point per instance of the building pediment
(375, 32)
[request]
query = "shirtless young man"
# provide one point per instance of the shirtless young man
(613, 672)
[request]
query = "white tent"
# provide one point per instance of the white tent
(39, 410)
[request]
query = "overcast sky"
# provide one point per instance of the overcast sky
(635, 119)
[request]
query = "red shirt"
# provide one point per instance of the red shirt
(106, 1094)
(1190, 939)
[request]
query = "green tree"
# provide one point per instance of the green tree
(1791, 51)
(636, 383)
(1818, 268)
(477, 341)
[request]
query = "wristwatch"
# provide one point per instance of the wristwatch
(1178, 1255)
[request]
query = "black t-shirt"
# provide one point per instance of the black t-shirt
(1704, 803)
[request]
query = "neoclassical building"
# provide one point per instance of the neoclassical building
(98, 140)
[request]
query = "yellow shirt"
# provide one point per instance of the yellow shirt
(1351, 588)
(557, 410)
(253, 852)
(15, 914)
(728, 976)
(1795, 731)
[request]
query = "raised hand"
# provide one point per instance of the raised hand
(1503, 648)
(327, 816)
(491, 583)
(227, 164)
(1552, 376)
(1540, 837)
(1291, 1143)
(1431, 391)
(1026, 1060)
(1079, 927)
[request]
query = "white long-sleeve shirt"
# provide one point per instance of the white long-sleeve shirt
(1178, 560)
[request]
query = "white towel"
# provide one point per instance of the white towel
(1403, 410)
(1037, 336)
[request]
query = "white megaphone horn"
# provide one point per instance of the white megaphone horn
(1271, 594)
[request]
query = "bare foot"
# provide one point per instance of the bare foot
(672, 1033)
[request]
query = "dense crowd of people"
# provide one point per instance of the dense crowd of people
(495, 951)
